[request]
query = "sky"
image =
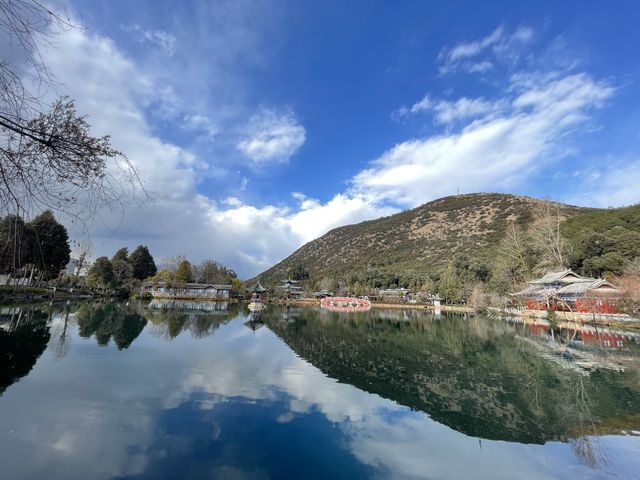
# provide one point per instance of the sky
(257, 126)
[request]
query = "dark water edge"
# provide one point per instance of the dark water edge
(135, 390)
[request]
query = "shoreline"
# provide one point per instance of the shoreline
(604, 320)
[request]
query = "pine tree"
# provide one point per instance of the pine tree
(183, 274)
(122, 254)
(101, 273)
(142, 263)
(50, 250)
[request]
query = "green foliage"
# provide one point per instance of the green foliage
(122, 272)
(183, 274)
(142, 263)
(122, 255)
(16, 244)
(42, 243)
(603, 241)
(101, 274)
(298, 272)
(51, 251)
(450, 285)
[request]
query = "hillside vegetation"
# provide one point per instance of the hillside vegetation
(453, 243)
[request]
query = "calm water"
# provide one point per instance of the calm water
(144, 391)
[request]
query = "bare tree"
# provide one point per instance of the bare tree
(48, 157)
(547, 236)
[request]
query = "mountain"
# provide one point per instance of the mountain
(420, 241)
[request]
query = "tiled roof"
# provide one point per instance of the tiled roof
(564, 276)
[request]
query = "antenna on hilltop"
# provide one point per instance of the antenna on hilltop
(458, 189)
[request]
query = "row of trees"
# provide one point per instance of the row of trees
(38, 249)
(123, 272)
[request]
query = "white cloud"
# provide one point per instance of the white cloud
(470, 49)
(498, 45)
(446, 112)
(272, 136)
(493, 152)
(617, 184)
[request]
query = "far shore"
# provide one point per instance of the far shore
(608, 320)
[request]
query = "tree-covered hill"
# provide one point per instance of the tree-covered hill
(418, 241)
(467, 239)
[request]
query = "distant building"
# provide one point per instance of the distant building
(75, 268)
(188, 291)
(566, 290)
(394, 292)
(291, 288)
(323, 294)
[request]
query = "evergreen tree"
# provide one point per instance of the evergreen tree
(50, 250)
(15, 244)
(122, 272)
(183, 274)
(122, 254)
(449, 287)
(101, 273)
(142, 263)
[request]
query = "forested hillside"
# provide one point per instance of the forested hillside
(451, 244)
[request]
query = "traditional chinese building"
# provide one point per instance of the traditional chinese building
(188, 291)
(566, 290)
(291, 288)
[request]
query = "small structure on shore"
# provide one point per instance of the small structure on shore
(257, 298)
(323, 294)
(566, 290)
(394, 292)
(187, 291)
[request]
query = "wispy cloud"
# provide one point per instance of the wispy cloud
(478, 56)
(204, 127)
(447, 112)
(272, 137)
(159, 38)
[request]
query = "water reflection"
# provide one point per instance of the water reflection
(483, 378)
(113, 320)
(304, 393)
(23, 337)
(169, 319)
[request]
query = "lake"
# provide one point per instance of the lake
(176, 391)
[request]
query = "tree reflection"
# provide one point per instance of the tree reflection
(170, 322)
(481, 377)
(117, 321)
(60, 337)
(21, 344)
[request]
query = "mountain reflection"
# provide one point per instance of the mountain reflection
(483, 378)
(23, 338)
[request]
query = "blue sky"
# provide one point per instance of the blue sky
(259, 126)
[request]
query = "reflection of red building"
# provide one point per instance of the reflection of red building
(567, 290)
(588, 336)
(605, 339)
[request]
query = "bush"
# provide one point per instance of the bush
(146, 296)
